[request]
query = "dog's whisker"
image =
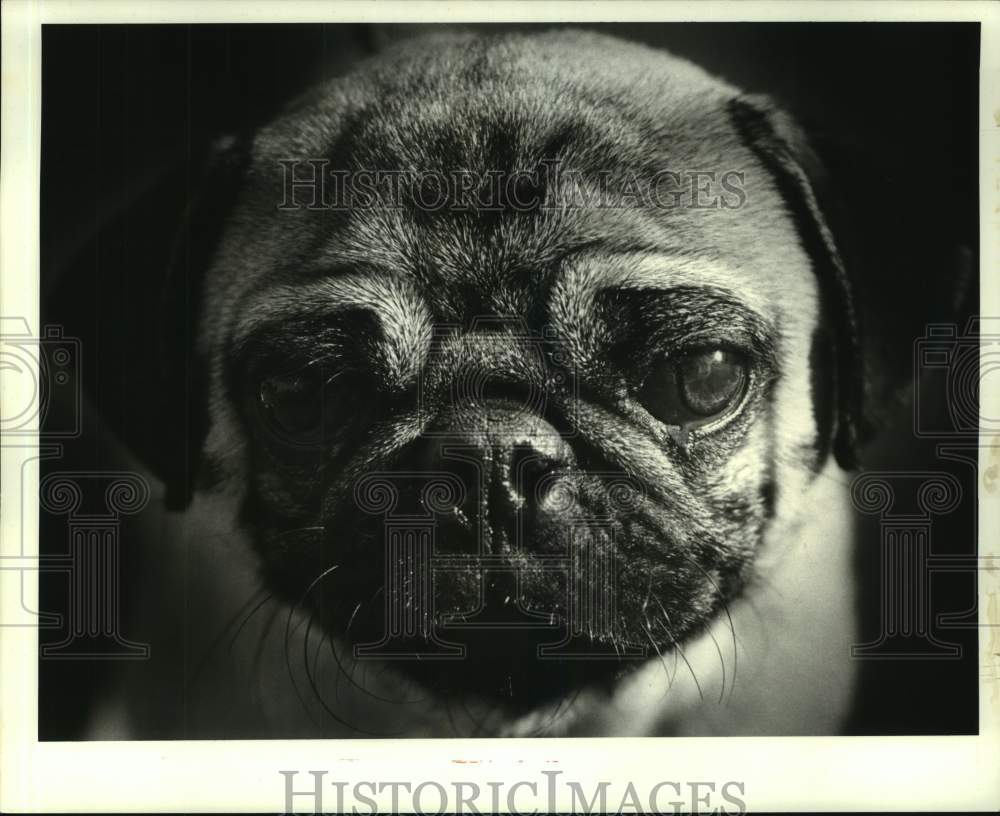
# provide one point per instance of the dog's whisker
(649, 590)
(341, 669)
(647, 631)
(563, 709)
(451, 717)
(332, 377)
(350, 621)
(371, 600)
(732, 629)
(722, 662)
(343, 672)
(310, 679)
(677, 648)
(479, 725)
(349, 675)
(217, 640)
(298, 530)
(310, 668)
(258, 656)
(318, 695)
(289, 631)
(246, 620)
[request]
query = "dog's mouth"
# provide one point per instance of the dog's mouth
(515, 635)
(511, 636)
(511, 671)
(510, 631)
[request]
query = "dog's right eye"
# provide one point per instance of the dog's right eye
(696, 388)
(292, 406)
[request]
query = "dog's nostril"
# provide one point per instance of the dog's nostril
(537, 468)
(533, 474)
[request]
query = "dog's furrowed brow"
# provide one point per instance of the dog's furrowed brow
(584, 288)
(402, 314)
(686, 317)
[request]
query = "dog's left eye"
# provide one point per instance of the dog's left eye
(696, 387)
(292, 405)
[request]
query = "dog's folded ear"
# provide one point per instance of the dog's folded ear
(781, 146)
(183, 373)
(132, 297)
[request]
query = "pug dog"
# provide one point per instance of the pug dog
(494, 424)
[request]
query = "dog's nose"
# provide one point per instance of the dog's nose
(510, 462)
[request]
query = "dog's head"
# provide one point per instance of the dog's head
(514, 348)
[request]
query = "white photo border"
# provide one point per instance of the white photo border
(779, 774)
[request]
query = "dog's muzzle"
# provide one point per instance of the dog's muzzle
(514, 468)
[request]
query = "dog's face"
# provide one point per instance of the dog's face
(573, 407)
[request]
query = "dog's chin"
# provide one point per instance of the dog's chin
(508, 670)
(507, 656)
(512, 679)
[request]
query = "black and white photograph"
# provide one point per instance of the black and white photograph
(477, 380)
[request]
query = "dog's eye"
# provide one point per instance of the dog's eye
(692, 389)
(292, 405)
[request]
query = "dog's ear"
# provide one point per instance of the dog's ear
(130, 294)
(783, 149)
(183, 373)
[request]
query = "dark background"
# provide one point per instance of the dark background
(129, 110)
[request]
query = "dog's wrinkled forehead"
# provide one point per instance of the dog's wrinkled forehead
(500, 107)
